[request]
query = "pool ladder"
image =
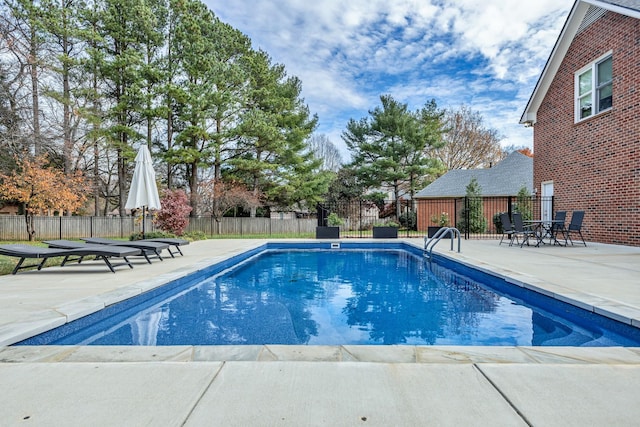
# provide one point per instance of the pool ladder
(429, 243)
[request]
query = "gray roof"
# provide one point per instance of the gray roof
(629, 4)
(504, 179)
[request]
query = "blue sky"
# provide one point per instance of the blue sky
(485, 54)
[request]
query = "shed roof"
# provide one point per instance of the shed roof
(504, 179)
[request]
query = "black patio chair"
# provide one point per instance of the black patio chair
(507, 229)
(575, 226)
(522, 230)
(558, 227)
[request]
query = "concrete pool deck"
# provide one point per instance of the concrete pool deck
(308, 385)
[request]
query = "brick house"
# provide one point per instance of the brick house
(585, 112)
(446, 194)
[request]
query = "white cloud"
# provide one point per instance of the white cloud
(486, 54)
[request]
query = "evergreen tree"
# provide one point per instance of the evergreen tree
(126, 26)
(473, 212)
(389, 149)
(524, 204)
(272, 155)
(205, 101)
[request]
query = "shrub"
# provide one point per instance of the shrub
(524, 204)
(473, 212)
(387, 224)
(334, 219)
(151, 235)
(441, 220)
(195, 235)
(497, 222)
(409, 220)
(173, 216)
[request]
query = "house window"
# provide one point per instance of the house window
(593, 87)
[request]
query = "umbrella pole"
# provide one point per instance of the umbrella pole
(144, 217)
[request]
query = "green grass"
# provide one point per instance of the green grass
(7, 263)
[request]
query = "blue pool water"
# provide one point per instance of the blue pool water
(335, 297)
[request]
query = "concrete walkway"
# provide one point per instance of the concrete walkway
(306, 385)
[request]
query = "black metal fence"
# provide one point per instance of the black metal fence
(476, 218)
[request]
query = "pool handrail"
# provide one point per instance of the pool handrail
(429, 243)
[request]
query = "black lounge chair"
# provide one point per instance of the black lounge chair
(76, 254)
(74, 244)
(172, 241)
(147, 248)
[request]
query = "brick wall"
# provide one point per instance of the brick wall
(595, 164)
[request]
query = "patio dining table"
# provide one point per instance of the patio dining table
(544, 229)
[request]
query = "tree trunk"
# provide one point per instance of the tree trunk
(169, 144)
(121, 181)
(193, 188)
(28, 218)
(35, 101)
(67, 144)
(396, 195)
(96, 176)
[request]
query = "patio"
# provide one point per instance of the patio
(300, 385)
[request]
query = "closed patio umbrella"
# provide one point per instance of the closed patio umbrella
(143, 192)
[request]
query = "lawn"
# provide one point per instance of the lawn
(7, 263)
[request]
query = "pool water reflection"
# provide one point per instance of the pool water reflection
(339, 297)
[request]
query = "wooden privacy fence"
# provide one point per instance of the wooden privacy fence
(13, 227)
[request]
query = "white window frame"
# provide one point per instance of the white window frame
(593, 93)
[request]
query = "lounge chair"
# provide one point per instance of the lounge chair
(147, 248)
(575, 226)
(29, 251)
(507, 229)
(74, 244)
(176, 243)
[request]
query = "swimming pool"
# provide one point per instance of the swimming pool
(353, 293)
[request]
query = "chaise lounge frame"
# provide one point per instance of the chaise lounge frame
(147, 248)
(76, 254)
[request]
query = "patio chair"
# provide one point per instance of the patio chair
(148, 249)
(103, 253)
(557, 227)
(575, 226)
(520, 229)
(507, 229)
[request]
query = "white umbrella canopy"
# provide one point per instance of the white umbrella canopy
(143, 192)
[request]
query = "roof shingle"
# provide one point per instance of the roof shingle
(504, 179)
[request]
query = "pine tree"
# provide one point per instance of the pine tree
(473, 213)
(389, 149)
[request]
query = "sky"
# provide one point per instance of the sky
(484, 54)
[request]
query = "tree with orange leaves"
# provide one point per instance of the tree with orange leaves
(526, 151)
(40, 188)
